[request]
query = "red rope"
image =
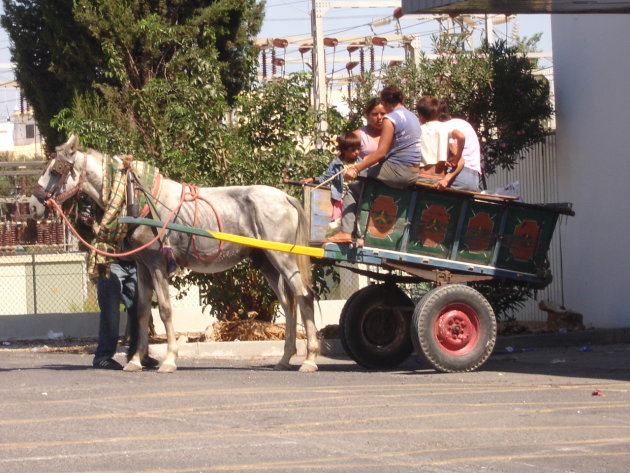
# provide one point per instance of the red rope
(187, 196)
(193, 195)
(52, 203)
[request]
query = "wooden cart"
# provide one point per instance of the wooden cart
(448, 238)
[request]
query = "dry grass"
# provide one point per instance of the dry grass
(247, 330)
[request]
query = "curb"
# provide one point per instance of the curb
(569, 339)
(255, 349)
(332, 348)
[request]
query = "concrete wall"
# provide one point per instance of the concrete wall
(592, 66)
(187, 318)
(537, 176)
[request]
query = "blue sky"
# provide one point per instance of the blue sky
(291, 18)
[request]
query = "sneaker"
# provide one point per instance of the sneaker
(148, 362)
(107, 364)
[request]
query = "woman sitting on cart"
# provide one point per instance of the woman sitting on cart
(395, 162)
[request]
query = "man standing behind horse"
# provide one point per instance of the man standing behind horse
(116, 282)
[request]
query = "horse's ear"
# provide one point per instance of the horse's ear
(72, 143)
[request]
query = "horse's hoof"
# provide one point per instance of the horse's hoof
(132, 367)
(282, 367)
(167, 368)
(308, 367)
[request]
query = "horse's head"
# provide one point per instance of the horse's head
(58, 177)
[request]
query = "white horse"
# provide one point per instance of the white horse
(261, 212)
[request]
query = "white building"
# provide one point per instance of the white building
(591, 65)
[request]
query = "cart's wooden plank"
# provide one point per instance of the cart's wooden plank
(479, 195)
(241, 240)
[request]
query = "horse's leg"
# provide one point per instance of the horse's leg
(144, 292)
(286, 265)
(160, 283)
(288, 305)
(307, 310)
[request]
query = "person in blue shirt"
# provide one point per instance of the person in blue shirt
(349, 146)
(396, 161)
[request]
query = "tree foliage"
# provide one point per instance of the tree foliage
(104, 53)
(174, 88)
(55, 57)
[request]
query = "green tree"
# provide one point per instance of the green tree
(272, 135)
(55, 57)
(268, 133)
(172, 83)
(105, 52)
(495, 89)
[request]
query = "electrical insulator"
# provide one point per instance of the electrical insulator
(379, 41)
(372, 59)
(264, 63)
(352, 47)
(362, 60)
(351, 65)
(280, 43)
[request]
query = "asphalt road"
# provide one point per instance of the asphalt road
(528, 411)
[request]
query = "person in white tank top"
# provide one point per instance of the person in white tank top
(438, 153)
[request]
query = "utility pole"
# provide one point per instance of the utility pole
(320, 100)
(319, 9)
(489, 31)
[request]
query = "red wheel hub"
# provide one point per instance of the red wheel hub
(457, 329)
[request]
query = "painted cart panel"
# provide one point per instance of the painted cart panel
(456, 231)
(383, 218)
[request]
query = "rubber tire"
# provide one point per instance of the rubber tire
(455, 328)
(342, 323)
(373, 336)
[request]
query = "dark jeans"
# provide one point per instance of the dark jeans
(119, 287)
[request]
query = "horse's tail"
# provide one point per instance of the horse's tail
(303, 261)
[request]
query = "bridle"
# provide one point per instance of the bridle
(62, 166)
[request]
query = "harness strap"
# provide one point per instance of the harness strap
(45, 194)
(190, 193)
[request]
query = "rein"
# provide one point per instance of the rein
(189, 193)
(57, 208)
(60, 171)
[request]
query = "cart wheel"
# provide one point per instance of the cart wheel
(374, 326)
(455, 328)
(343, 321)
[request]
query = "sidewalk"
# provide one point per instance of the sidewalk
(580, 338)
(332, 347)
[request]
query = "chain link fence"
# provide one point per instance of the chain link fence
(42, 283)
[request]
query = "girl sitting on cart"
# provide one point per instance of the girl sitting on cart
(348, 146)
